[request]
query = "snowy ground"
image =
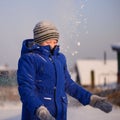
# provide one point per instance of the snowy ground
(10, 111)
(13, 111)
(89, 113)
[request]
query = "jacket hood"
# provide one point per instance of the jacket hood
(29, 46)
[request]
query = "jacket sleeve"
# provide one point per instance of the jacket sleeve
(26, 83)
(75, 90)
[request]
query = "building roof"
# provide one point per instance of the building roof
(116, 47)
(103, 73)
(4, 68)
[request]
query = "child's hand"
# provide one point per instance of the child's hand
(101, 103)
(44, 114)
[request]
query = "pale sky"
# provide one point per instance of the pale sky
(87, 27)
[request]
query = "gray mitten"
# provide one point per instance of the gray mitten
(101, 103)
(43, 113)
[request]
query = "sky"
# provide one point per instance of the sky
(88, 28)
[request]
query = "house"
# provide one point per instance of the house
(96, 72)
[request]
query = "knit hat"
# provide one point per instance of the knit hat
(45, 30)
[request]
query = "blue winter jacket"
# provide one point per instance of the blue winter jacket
(43, 79)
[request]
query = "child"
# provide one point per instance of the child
(43, 78)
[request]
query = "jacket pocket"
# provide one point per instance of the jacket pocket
(50, 105)
(64, 100)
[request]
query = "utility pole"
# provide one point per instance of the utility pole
(117, 49)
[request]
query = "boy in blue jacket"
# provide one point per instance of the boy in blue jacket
(43, 78)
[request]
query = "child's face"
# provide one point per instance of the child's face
(51, 42)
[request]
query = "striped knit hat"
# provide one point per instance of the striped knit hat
(45, 30)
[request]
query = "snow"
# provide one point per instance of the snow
(13, 112)
(89, 113)
(10, 111)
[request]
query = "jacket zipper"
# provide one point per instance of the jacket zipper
(55, 83)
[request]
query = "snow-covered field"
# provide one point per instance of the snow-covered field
(89, 113)
(13, 111)
(10, 111)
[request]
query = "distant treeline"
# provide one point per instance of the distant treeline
(8, 80)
